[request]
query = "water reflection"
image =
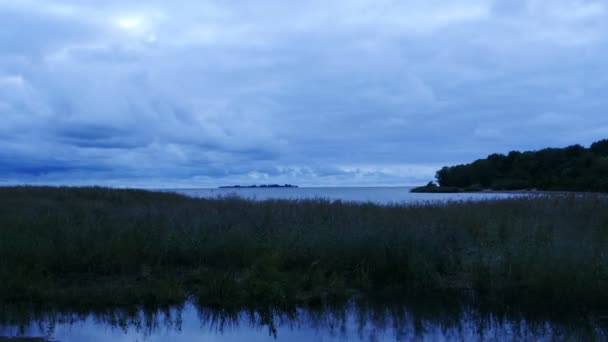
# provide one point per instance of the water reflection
(353, 322)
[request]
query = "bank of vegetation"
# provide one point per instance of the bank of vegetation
(573, 168)
(97, 246)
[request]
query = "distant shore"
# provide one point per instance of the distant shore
(258, 186)
(434, 189)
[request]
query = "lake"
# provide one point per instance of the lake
(349, 323)
(380, 195)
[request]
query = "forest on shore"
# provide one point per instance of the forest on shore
(573, 168)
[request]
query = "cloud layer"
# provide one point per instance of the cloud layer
(203, 93)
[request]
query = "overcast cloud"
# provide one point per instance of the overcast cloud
(346, 92)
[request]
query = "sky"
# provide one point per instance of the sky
(201, 93)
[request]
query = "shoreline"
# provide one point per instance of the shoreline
(172, 319)
(449, 190)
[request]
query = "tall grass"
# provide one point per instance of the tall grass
(104, 246)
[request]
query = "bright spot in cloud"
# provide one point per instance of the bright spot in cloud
(129, 23)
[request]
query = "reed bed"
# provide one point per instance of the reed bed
(99, 246)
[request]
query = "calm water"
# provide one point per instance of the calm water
(352, 323)
(383, 195)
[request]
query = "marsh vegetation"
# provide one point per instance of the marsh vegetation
(103, 247)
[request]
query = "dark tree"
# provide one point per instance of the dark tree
(600, 148)
(573, 168)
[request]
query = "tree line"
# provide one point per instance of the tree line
(573, 168)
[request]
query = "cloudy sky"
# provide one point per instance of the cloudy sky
(345, 92)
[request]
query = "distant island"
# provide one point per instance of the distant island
(258, 186)
(573, 168)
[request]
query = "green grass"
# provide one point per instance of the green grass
(97, 246)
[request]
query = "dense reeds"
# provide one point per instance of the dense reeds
(99, 246)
